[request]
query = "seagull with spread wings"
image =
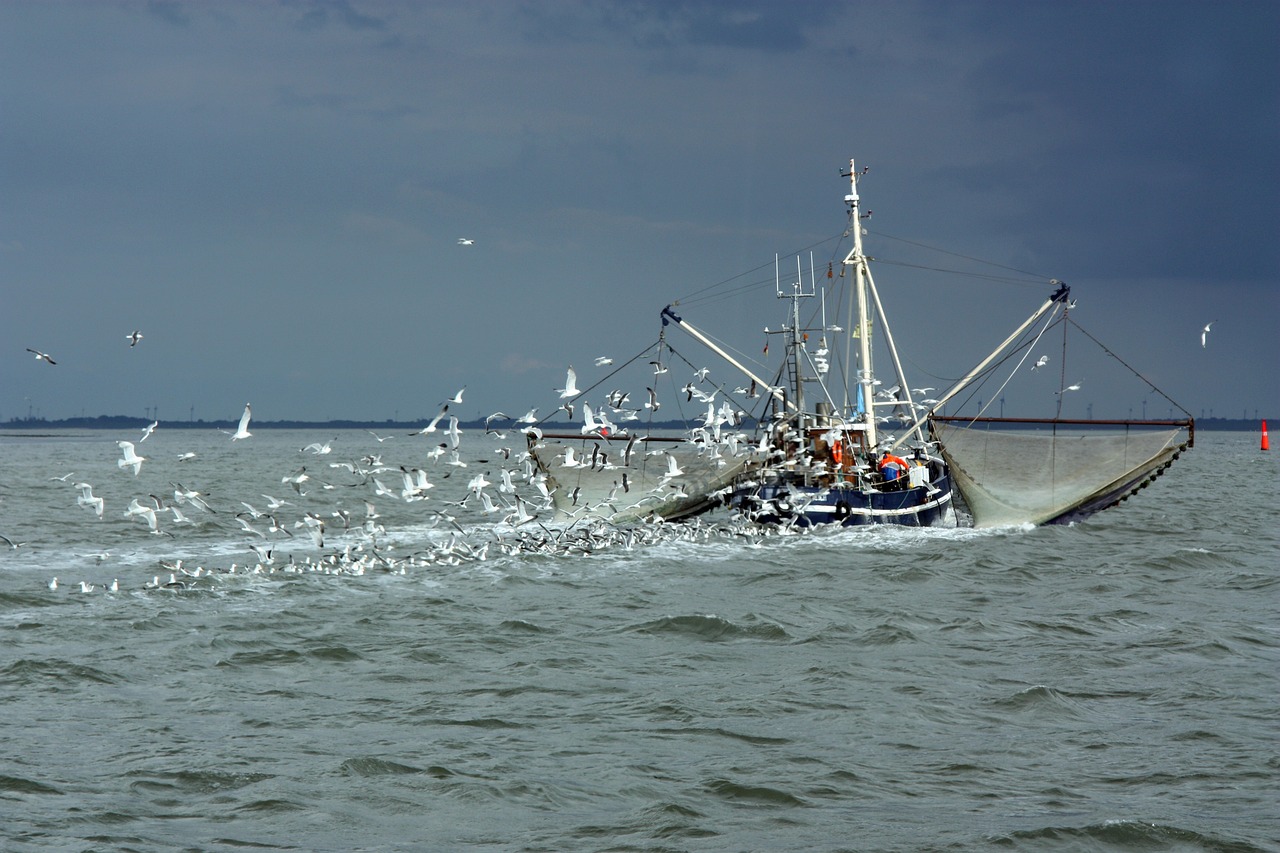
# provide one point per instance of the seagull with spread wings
(242, 431)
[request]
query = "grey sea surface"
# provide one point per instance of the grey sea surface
(1105, 686)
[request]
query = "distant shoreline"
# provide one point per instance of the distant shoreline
(104, 422)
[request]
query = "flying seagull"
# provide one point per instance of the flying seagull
(41, 355)
(242, 431)
(1040, 362)
(134, 337)
(466, 241)
(129, 459)
(88, 500)
(570, 388)
(1075, 387)
(1204, 336)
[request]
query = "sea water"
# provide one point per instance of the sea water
(1105, 686)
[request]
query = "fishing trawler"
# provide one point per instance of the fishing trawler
(820, 450)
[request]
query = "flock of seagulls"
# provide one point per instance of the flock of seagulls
(336, 522)
(298, 535)
(515, 495)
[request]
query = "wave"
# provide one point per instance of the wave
(710, 628)
(1121, 835)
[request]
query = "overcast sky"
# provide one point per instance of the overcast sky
(272, 193)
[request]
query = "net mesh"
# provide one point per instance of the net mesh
(582, 484)
(1055, 475)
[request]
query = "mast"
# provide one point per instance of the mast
(797, 341)
(856, 259)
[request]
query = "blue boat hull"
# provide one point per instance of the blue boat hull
(847, 505)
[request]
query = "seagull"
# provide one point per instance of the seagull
(673, 470)
(129, 458)
(457, 398)
(1040, 362)
(431, 427)
(297, 479)
(88, 500)
(603, 361)
(570, 388)
(242, 431)
(1075, 387)
(466, 241)
(380, 438)
(275, 503)
(1204, 336)
(148, 514)
(147, 430)
(133, 337)
(41, 355)
(455, 434)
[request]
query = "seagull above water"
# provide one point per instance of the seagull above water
(457, 398)
(88, 500)
(455, 434)
(1204, 335)
(133, 337)
(570, 388)
(147, 430)
(242, 431)
(431, 427)
(145, 512)
(130, 458)
(41, 355)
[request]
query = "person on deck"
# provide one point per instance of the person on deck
(892, 467)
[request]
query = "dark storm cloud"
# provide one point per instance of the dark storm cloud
(294, 177)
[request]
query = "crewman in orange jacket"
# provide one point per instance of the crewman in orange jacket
(892, 467)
